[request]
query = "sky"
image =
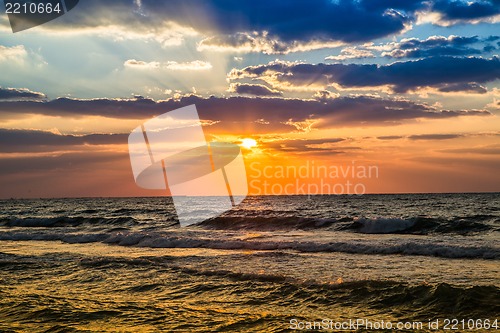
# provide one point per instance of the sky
(411, 88)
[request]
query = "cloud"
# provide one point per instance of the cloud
(260, 25)
(249, 115)
(452, 40)
(134, 108)
(434, 46)
(494, 105)
(260, 42)
(20, 94)
(432, 52)
(288, 22)
(434, 136)
(464, 87)
(195, 65)
(305, 20)
(307, 145)
(137, 64)
(452, 12)
(466, 10)
(12, 140)
(351, 53)
(406, 5)
(414, 48)
(485, 150)
(401, 76)
(119, 20)
(253, 89)
(492, 38)
(13, 53)
(390, 137)
(324, 95)
(75, 161)
(489, 48)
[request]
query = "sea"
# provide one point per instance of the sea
(331, 263)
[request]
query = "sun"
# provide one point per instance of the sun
(248, 143)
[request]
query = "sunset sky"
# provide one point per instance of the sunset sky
(411, 87)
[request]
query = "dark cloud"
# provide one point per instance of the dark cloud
(254, 89)
(407, 5)
(31, 140)
(291, 144)
(244, 113)
(432, 52)
(62, 162)
(414, 48)
(390, 137)
(435, 46)
(300, 20)
(492, 38)
(233, 115)
(434, 136)
(464, 87)
(402, 76)
(466, 10)
(411, 43)
(488, 150)
(307, 146)
(20, 94)
(278, 23)
(138, 107)
(367, 110)
(489, 48)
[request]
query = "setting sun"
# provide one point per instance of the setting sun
(248, 143)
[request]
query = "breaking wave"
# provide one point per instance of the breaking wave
(158, 240)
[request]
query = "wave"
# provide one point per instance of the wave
(425, 225)
(420, 225)
(426, 300)
(264, 223)
(423, 300)
(381, 225)
(153, 240)
(64, 221)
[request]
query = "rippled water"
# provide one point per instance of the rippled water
(96, 265)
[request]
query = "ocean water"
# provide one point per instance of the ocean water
(271, 264)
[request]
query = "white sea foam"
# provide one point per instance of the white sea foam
(154, 240)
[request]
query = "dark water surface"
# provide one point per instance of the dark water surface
(125, 265)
